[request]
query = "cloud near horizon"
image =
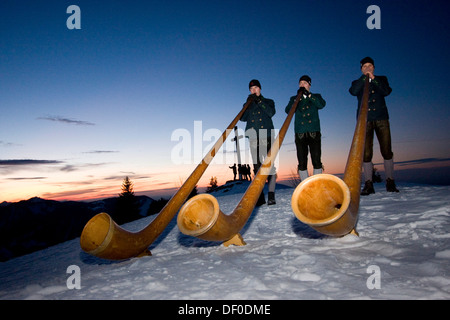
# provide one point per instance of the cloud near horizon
(67, 120)
(101, 151)
(8, 144)
(418, 161)
(75, 167)
(74, 194)
(26, 178)
(26, 162)
(12, 165)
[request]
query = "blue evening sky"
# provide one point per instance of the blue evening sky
(82, 109)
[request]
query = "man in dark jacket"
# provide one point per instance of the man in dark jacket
(259, 132)
(307, 128)
(378, 122)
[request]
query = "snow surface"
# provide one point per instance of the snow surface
(406, 235)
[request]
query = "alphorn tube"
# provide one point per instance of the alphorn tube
(325, 202)
(103, 238)
(201, 217)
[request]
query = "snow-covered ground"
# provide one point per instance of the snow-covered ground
(403, 252)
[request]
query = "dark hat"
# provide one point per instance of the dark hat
(305, 78)
(367, 60)
(254, 82)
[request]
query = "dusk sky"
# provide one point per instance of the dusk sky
(81, 109)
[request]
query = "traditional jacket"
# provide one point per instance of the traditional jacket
(378, 89)
(307, 113)
(259, 115)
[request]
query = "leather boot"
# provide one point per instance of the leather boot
(368, 188)
(390, 186)
(271, 198)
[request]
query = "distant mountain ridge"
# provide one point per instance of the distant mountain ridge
(36, 223)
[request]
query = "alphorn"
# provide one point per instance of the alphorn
(325, 202)
(103, 238)
(201, 216)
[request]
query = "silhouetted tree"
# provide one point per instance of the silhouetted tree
(127, 208)
(127, 188)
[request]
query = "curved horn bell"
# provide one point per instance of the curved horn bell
(325, 202)
(212, 224)
(320, 201)
(201, 217)
(103, 238)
